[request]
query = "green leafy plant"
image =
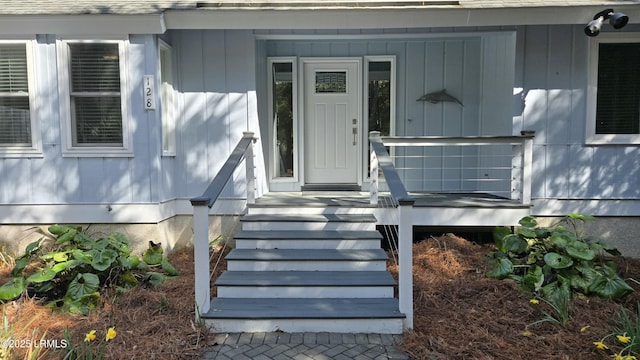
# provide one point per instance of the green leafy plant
(556, 262)
(70, 270)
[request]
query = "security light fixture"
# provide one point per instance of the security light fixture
(616, 19)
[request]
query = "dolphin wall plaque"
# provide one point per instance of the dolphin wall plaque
(439, 96)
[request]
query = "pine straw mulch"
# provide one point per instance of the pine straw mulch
(462, 314)
(151, 323)
(459, 314)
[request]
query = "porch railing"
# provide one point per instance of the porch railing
(201, 206)
(519, 169)
(499, 165)
(400, 198)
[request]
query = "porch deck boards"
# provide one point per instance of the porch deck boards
(307, 255)
(309, 235)
(305, 278)
(321, 218)
(482, 200)
(304, 308)
(361, 199)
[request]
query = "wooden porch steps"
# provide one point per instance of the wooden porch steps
(366, 315)
(327, 239)
(305, 284)
(306, 259)
(240, 308)
(306, 270)
(303, 222)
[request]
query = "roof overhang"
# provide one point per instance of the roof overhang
(362, 18)
(261, 18)
(89, 25)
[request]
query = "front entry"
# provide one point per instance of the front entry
(332, 123)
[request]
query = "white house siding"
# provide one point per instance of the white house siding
(550, 88)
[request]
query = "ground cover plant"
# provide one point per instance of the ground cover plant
(460, 313)
(555, 263)
(68, 268)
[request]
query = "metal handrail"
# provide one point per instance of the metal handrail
(215, 188)
(456, 140)
(381, 159)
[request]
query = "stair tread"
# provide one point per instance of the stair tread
(307, 255)
(308, 234)
(305, 278)
(304, 308)
(366, 218)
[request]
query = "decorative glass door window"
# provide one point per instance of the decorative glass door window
(331, 82)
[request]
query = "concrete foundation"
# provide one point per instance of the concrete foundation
(177, 232)
(620, 232)
(173, 233)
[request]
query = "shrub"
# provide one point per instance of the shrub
(556, 262)
(71, 272)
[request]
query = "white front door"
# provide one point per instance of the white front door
(331, 121)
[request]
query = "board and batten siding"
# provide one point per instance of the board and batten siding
(216, 103)
(53, 179)
(550, 98)
(477, 68)
(215, 98)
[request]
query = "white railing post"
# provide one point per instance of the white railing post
(405, 263)
(250, 168)
(373, 164)
(527, 165)
(201, 255)
(516, 171)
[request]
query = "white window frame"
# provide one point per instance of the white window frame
(592, 91)
(272, 131)
(167, 104)
(392, 103)
(64, 88)
(35, 149)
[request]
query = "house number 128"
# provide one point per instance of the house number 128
(149, 93)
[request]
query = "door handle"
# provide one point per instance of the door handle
(354, 130)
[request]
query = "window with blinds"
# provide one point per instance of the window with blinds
(15, 113)
(96, 111)
(618, 97)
